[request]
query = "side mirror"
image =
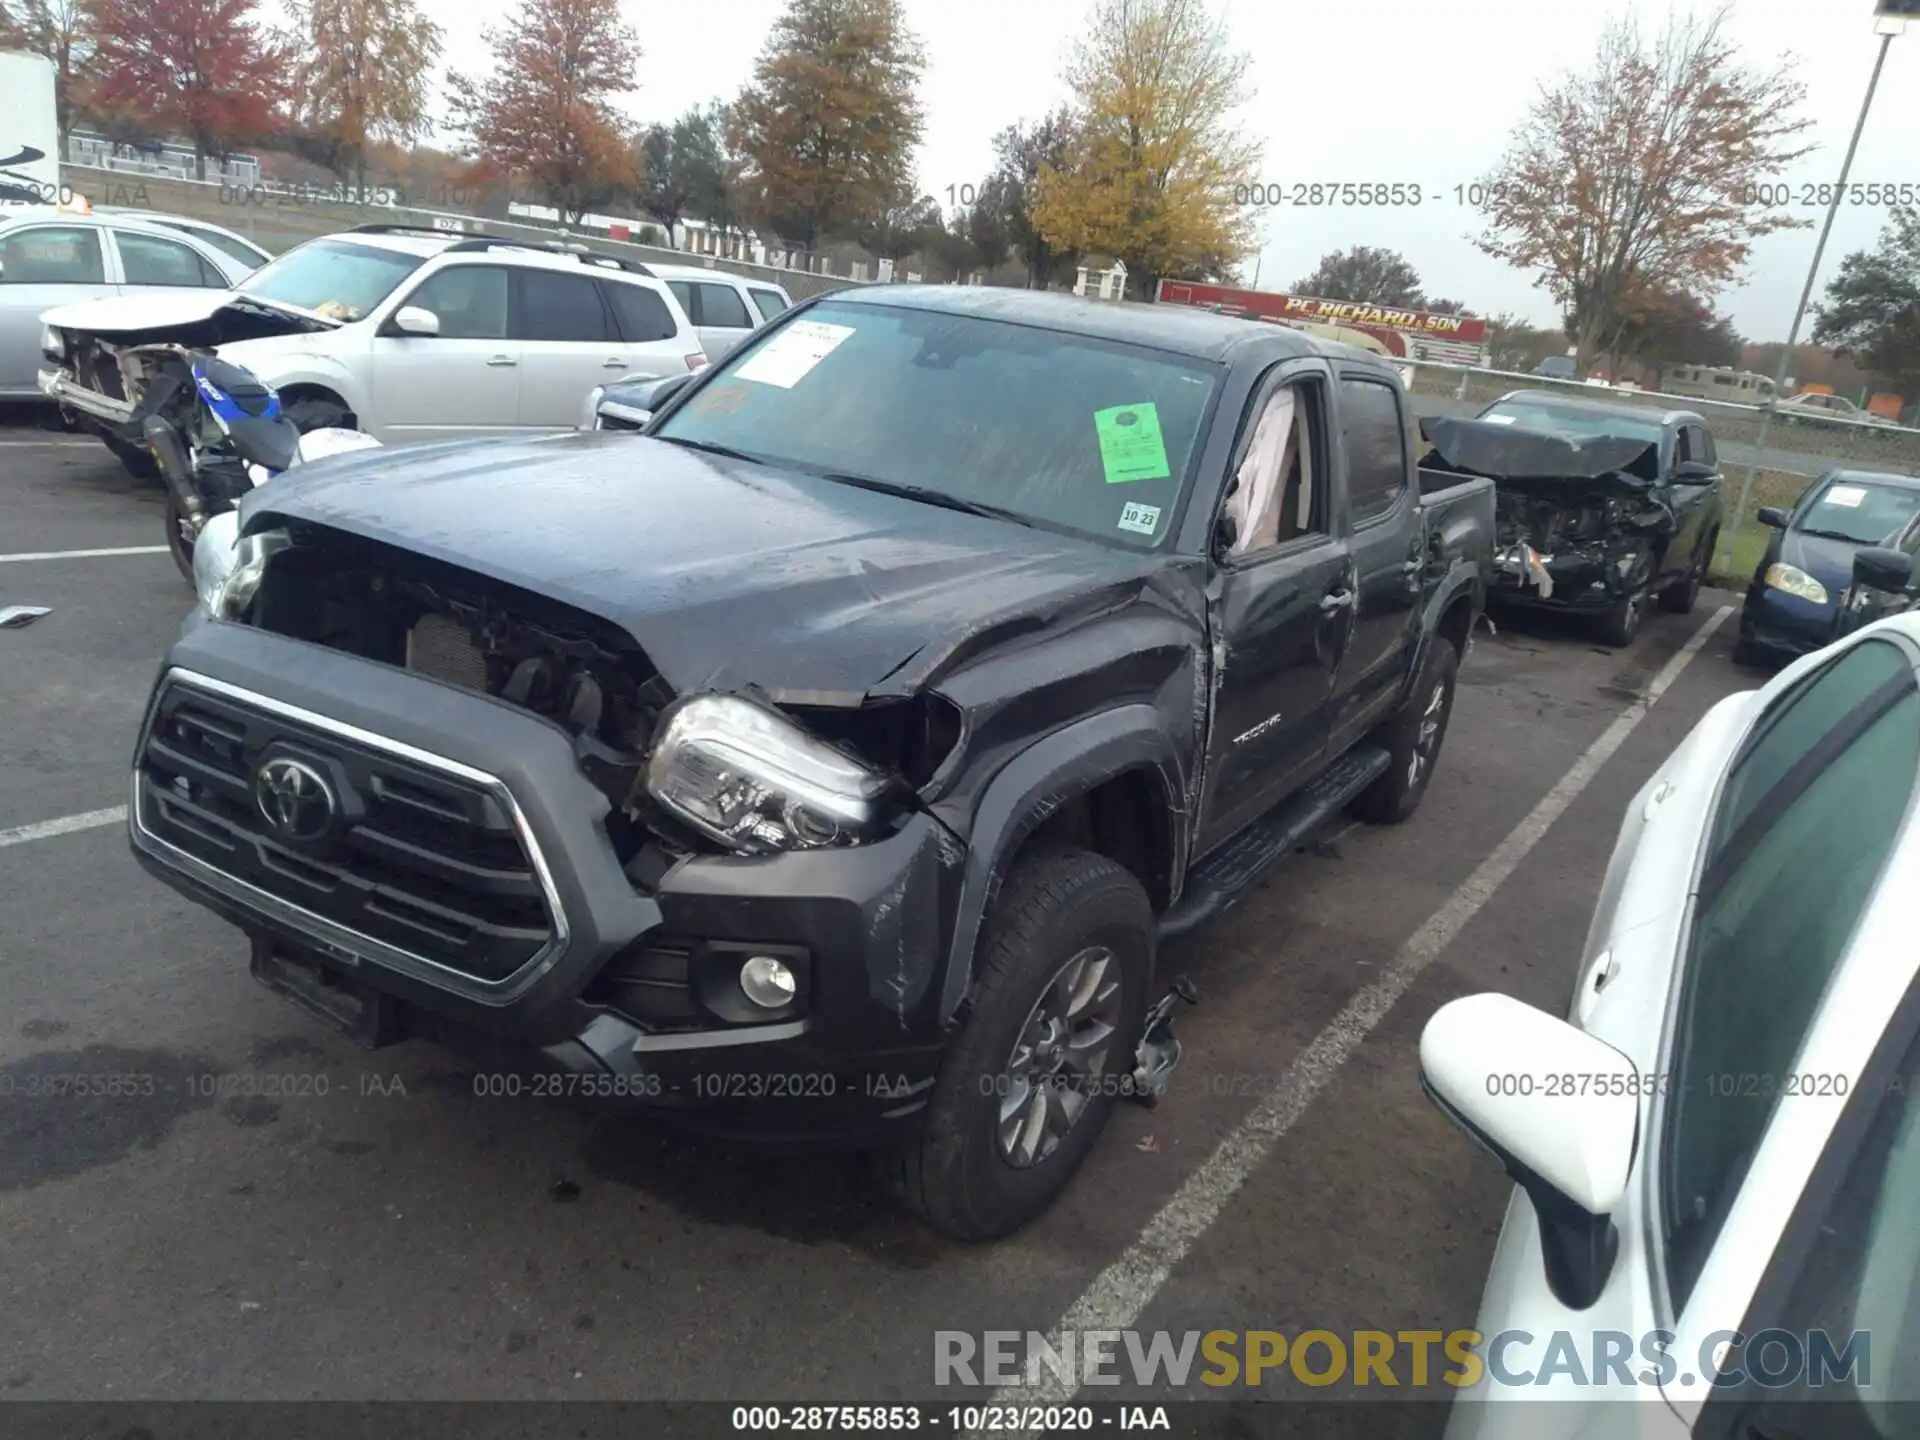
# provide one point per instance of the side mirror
(1490, 1063)
(412, 320)
(1877, 568)
(1693, 472)
(1774, 516)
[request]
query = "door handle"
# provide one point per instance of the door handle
(503, 360)
(613, 363)
(1336, 602)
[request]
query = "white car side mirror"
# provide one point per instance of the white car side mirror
(1558, 1108)
(412, 320)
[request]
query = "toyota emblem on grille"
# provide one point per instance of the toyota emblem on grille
(295, 798)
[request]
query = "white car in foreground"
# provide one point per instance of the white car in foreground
(406, 334)
(1717, 1151)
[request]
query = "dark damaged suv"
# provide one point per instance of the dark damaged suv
(826, 761)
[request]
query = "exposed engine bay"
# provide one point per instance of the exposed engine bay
(125, 366)
(1586, 514)
(584, 674)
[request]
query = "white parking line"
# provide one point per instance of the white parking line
(65, 825)
(82, 554)
(55, 442)
(1118, 1295)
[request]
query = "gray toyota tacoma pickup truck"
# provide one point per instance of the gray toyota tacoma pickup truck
(824, 761)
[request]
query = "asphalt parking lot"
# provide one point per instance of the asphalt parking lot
(390, 1234)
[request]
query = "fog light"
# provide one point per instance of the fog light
(768, 982)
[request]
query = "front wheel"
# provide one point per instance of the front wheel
(1684, 593)
(316, 412)
(1032, 1079)
(180, 537)
(1620, 626)
(1412, 739)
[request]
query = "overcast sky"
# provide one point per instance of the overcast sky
(1365, 90)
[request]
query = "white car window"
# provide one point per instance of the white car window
(770, 303)
(470, 301)
(52, 255)
(721, 305)
(642, 315)
(150, 260)
(233, 249)
(1805, 823)
(683, 292)
(561, 307)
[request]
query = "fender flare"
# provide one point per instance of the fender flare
(1030, 788)
(336, 379)
(1463, 578)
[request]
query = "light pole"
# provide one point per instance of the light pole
(1890, 19)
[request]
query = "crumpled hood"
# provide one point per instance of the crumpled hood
(184, 316)
(1517, 457)
(726, 573)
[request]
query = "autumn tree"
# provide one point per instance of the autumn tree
(546, 110)
(363, 74)
(1150, 176)
(1370, 274)
(829, 122)
(1872, 308)
(208, 71)
(1516, 344)
(901, 230)
(1021, 152)
(61, 31)
(1636, 173)
(1676, 329)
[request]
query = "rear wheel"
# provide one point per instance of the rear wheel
(1032, 1079)
(1412, 740)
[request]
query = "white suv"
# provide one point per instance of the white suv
(724, 308)
(407, 334)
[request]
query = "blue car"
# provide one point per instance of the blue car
(1794, 603)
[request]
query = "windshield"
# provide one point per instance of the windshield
(1862, 511)
(339, 280)
(1571, 421)
(1060, 430)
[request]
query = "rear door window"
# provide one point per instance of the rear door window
(643, 315)
(562, 307)
(721, 305)
(768, 302)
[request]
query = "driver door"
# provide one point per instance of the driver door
(1284, 607)
(1694, 501)
(461, 382)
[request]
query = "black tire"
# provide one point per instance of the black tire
(315, 412)
(1412, 740)
(1055, 906)
(1620, 626)
(1680, 597)
(1749, 656)
(178, 545)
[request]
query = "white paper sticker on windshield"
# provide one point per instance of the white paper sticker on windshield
(1498, 419)
(1847, 495)
(787, 357)
(1141, 519)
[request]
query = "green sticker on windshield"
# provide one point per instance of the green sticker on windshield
(1130, 443)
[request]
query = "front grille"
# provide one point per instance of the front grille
(444, 650)
(421, 860)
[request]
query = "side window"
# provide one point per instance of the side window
(1703, 446)
(149, 260)
(1846, 1275)
(232, 249)
(768, 302)
(1375, 440)
(52, 255)
(1279, 485)
(1808, 816)
(561, 307)
(683, 292)
(471, 301)
(643, 315)
(722, 305)
(1683, 445)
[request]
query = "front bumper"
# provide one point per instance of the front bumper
(1580, 583)
(526, 937)
(1786, 626)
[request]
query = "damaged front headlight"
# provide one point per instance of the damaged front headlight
(753, 780)
(1792, 580)
(226, 571)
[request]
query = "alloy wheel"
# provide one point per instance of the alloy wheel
(1063, 1049)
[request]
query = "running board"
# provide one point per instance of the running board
(1224, 878)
